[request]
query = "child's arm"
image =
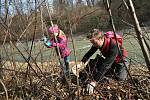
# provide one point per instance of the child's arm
(51, 44)
(48, 44)
(62, 44)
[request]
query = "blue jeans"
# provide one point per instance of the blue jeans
(66, 60)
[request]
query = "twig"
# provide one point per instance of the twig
(114, 30)
(4, 89)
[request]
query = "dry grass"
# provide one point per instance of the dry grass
(48, 85)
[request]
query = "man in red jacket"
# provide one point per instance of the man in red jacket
(111, 61)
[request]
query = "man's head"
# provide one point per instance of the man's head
(96, 37)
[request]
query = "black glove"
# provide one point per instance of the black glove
(84, 59)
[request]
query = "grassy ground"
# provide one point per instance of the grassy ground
(41, 53)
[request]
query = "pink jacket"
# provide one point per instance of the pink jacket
(62, 44)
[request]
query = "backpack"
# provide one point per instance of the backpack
(110, 34)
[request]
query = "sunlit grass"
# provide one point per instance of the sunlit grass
(41, 53)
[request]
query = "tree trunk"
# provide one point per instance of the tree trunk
(93, 2)
(1, 70)
(0, 8)
(70, 3)
(139, 33)
(79, 2)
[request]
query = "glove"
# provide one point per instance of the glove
(44, 38)
(90, 87)
(48, 43)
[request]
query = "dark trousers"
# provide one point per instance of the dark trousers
(117, 71)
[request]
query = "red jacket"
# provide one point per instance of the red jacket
(105, 49)
(109, 50)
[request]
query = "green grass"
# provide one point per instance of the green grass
(41, 53)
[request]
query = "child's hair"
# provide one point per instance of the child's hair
(95, 33)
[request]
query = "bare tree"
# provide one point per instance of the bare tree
(93, 2)
(0, 7)
(70, 3)
(139, 33)
(90, 2)
(79, 2)
(62, 1)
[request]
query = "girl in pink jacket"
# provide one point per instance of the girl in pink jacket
(61, 43)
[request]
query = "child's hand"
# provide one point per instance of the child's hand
(54, 44)
(56, 34)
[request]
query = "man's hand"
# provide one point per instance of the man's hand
(90, 88)
(83, 60)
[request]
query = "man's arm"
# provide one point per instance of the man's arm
(89, 54)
